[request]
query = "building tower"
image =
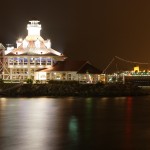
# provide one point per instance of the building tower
(32, 53)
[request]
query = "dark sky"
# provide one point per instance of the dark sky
(94, 30)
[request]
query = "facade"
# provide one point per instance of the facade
(82, 71)
(35, 59)
(2, 49)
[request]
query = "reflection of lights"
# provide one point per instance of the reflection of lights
(89, 104)
(120, 100)
(3, 99)
(104, 98)
(104, 101)
(70, 98)
(3, 102)
(39, 122)
(128, 121)
(88, 118)
(73, 129)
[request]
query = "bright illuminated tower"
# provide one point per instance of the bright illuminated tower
(34, 28)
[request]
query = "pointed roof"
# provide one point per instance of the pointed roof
(11, 54)
(68, 65)
(34, 44)
(2, 46)
(89, 68)
(81, 67)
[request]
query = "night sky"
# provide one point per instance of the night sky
(90, 30)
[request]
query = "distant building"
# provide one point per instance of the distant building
(35, 59)
(136, 76)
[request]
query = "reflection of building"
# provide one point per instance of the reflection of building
(35, 59)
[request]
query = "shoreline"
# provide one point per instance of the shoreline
(56, 89)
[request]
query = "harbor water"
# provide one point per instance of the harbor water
(75, 123)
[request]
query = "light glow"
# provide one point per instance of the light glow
(34, 28)
(40, 75)
(37, 44)
(25, 44)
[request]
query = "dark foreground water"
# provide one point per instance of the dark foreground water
(75, 123)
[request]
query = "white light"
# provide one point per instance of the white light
(34, 28)
(25, 44)
(48, 44)
(55, 52)
(9, 49)
(40, 75)
(20, 40)
(33, 31)
(37, 44)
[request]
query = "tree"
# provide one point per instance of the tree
(29, 81)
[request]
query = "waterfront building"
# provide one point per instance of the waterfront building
(2, 49)
(82, 71)
(33, 58)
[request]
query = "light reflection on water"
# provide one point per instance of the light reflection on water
(3, 102)
(74, 123)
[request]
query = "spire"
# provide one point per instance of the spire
(34, 27)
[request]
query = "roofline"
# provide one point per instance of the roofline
(83, 65)
(34, 55)
(2, 46)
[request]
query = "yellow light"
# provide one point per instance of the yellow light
(136, 69)
(20, 40)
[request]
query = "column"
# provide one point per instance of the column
(13, 60)
(10, 73)
(51, 61)
(46, 61)
(8, 61)
(40, 60)
(34, 61)
(28, 64)
(23, 61)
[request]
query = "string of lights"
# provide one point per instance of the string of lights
(133, 62)
(124, 60)
(108, 65)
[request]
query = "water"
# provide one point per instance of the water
(75, 123)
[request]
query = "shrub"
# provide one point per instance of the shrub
(1, 81)
(29, 81)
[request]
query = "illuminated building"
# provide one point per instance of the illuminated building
(68, 69)
(35, 59)
(2, 48)
(136, 76)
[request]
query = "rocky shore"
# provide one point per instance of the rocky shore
(69, 88)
